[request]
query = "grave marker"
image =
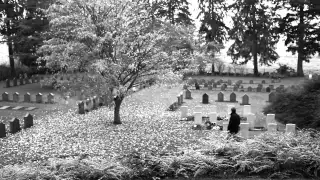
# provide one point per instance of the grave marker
(15, 83)
(7, 83)
(213, 117)
(188, 94)
(251, 82)
(81, 107)
(246, 110)
(2, 130)
(205, 85)
(235, 88)
(30, 108)
(268, 89)
(198, 109)
(50, 98)
(233, 97)
(214, 85)
(245, 100)
(198, 118)
(272, 127)
(272, 97)
(220, 97)
(28, 121)
(39, 98)
(271, 118)
(259, 89)
(271, 87)
(290, 128)
(263, 81)
(229, 82)
(225, 126)
(197, 86)
(244, 130)
(5, 96)
(205, 98)
(14, 126)
(16, 97)
(210, 87)
(251, 118)
(27, 97)
(223, 87)
(184, 111)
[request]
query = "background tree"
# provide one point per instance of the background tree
(21, 24)
(118, 39)
(301, 29)
(212, 28)
(254, 32)
(175, 11)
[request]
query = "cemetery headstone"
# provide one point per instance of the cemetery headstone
(271, 87)
(249, 89)
(213, 117)
(290, 128)
(220, 97)
(15, 83)
(223, 87)
(271, 118)
(233, 97)
(272, 97)
(268, 89)
(198, 118)
(5, 96)
(235, 88)
(244, 130)
(246, 110)
(188, 94)
(205, 85)
(259, 89)
(210, 87)
(184, 111)
(205, 98)
(14, 126)
(28, 121)
(2, 130)
(263, 81)
(251, 82)
(15, 97)
(94, 102)
(39, 98)
(263, 90)
(225, 126)
(272, 127)
(198, 109)
(50, 98)
(251, 118)
(214, 85)
(7, 83)
(21, 81)
(81, 107)
(181, 97)
(245, 100)
(197, 86)
(185, 86)
(229, 82)
(27, 97)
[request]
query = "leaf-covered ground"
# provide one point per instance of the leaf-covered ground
(146, 126)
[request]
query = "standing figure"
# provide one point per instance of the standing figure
(234, 122)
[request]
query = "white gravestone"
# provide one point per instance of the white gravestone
(251, 118)
(214, 108)
(225, 126)
(291, 128)
(246, 110)
(271, 118)
(198, 109)
(272, 127)
(184, 111)
(213, 117)
(244, 130)
(198, 118)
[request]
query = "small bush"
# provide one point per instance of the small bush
(285, 70)
(300, 106)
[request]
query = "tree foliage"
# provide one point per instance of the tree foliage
(301, 29)
(254, 32)
(118, 39)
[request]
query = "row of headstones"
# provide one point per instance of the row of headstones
(14, 125)
(22, 81)
(27, 97)
(233, 97)
(244, 127)
(229, 82)
(92, 103)
(260, 88)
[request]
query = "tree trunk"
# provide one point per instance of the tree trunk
(117, 102)
(255, 44)
(10, 45)
(212, 69)
(301, 55)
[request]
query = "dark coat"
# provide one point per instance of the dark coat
(233, 126)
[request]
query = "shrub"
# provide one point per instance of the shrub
(300, 106)
(285, 69)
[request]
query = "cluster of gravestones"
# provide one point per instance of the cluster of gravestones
(175, 105)
(14, 125)
(210, 85)
(27, 97)
(244, 127)
(92, 103)
(233, 97)
(22, 80)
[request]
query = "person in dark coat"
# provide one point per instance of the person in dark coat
(233, 126)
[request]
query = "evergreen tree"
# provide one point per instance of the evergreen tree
(301, 29)
(254, 32)
(176, 11)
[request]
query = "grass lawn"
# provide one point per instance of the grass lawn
(146, 127)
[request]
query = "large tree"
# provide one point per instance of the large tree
(121, 40)
(21, 23)
(213, 28)
(254, 32)
(175, 11)
(301, 29)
